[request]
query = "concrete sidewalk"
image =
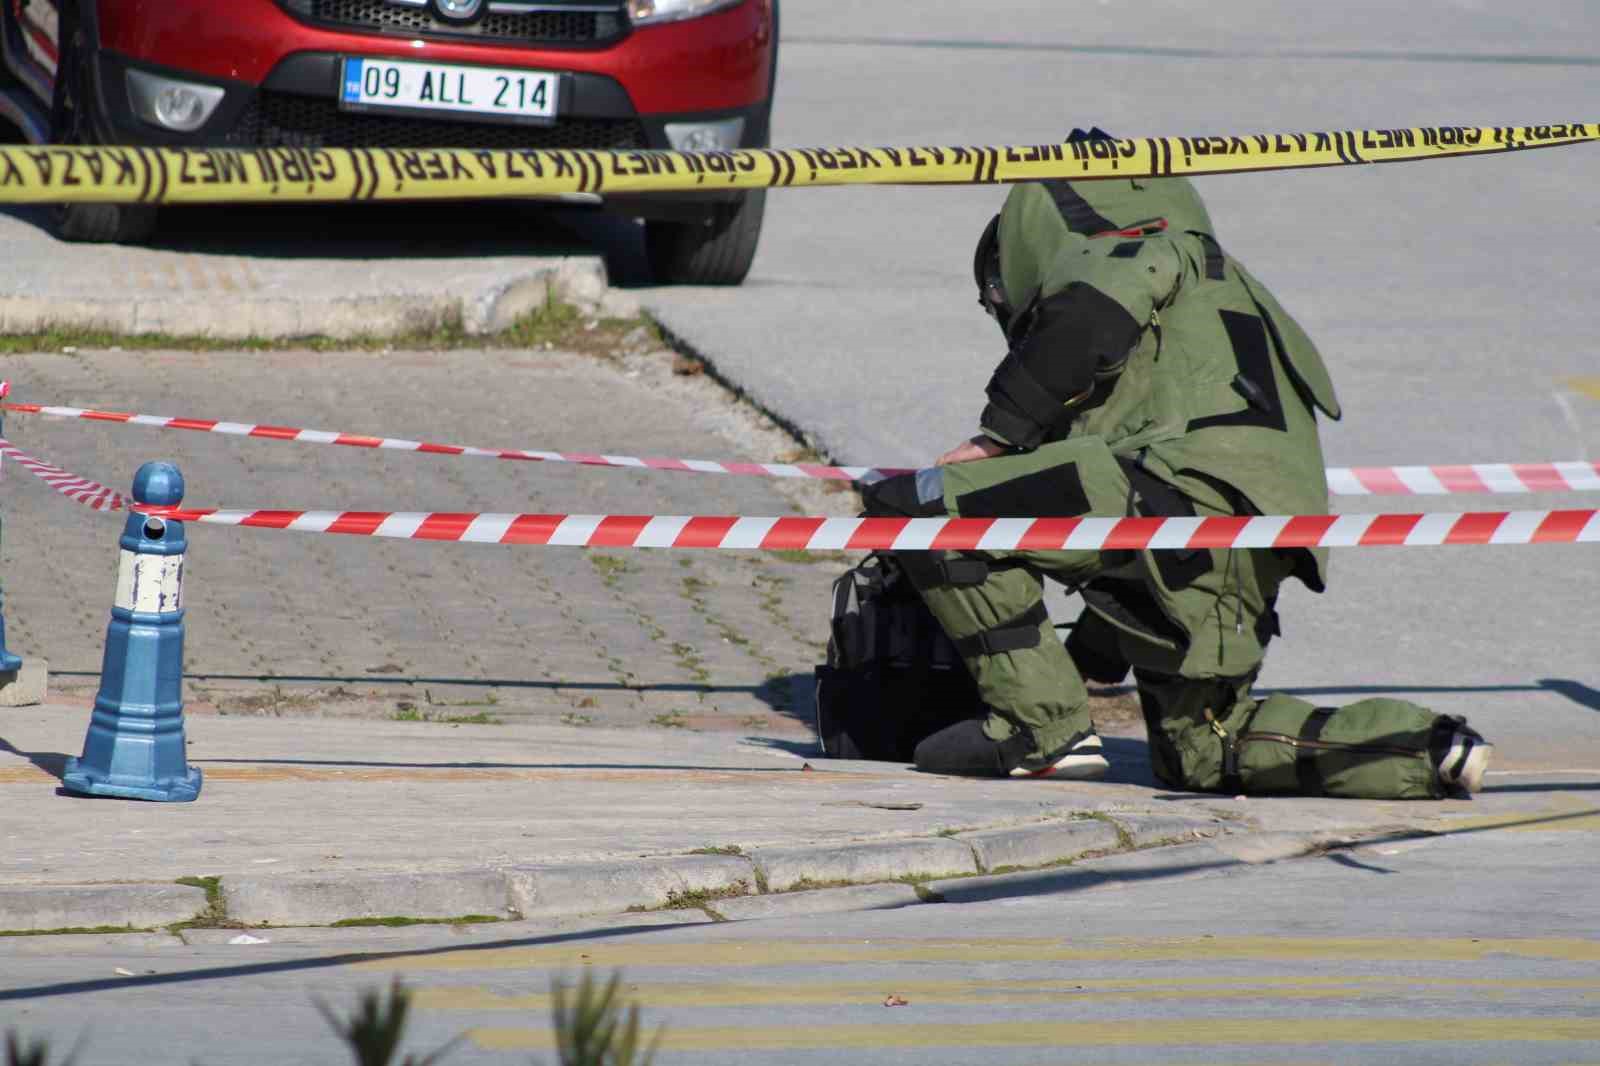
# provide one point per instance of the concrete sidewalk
(235, 272)
(312, 821)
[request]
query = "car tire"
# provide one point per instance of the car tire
(718, 251)
(74, 121)
(105, 223)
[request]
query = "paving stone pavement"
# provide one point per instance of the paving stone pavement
(278, 622)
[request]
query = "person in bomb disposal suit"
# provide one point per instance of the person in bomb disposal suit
(1148, 373)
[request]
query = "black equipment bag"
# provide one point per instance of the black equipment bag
(892, 676)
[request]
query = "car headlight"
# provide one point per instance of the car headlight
(170, 102)
(644, 12)
(720, 136)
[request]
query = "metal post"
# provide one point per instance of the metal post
(135, 746)
(22, 681)
(9, 663)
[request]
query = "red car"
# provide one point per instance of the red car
(408, 73)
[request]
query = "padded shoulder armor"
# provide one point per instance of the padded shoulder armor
(1141, 274)
(1302, 361)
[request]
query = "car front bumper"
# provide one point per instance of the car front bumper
(620, 96)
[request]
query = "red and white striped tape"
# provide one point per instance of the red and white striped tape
(80, 489)
(1497, 478)
(1481, 478)
(355, 440)
(817, 533)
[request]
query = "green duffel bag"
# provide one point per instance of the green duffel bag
(1372, 749)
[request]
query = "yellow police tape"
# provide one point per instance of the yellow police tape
(59, 174)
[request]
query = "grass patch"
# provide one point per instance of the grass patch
(397, 922)
(69, 930)
(489, 699)
(697, 899)
(577, 719)
(408, 712)
(554, 324)
(792, 555)
(720, 849)
(670, 720)
(610, 568)
(1124, 838)
(690, 660)
(806, 884)
(216, 912)
(274, 702)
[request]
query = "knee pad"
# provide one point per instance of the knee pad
(1093, 647)
(965, 748)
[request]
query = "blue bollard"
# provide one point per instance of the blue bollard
(135, 746)
(9, 663)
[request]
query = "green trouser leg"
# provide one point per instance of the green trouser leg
(1211, 736)
(1035, 689)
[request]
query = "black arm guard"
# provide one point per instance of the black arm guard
(1052, 363)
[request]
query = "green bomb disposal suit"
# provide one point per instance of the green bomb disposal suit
(1148, 374)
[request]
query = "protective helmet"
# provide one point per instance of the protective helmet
(1019, 243)
(1092, 208)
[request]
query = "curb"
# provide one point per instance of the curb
(579, 280)
(31, 908)
(763, 882)
(26, 687)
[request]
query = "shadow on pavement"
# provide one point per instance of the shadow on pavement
(216, 973)
(447, 229)
(53, 763)
(1576, 691)
(379, 765)
(1356, 864)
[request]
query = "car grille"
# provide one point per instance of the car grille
(287, 120)
(548, 27)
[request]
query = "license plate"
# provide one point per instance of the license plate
(405, 85)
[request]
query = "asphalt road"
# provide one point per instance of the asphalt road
(1448, 297)
(1461, 948)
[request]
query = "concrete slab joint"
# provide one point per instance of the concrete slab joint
(614, 887)
(1146, 829)
(784, 869)
(1039, 845)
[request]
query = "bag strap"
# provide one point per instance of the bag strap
(1019, 633)
(1305, 758)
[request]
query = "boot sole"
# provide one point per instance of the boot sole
(1471, 776)
(1085, 766)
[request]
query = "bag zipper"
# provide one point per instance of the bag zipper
(1324, 745)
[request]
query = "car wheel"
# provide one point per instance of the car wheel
(717, 251)
(73, 121)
